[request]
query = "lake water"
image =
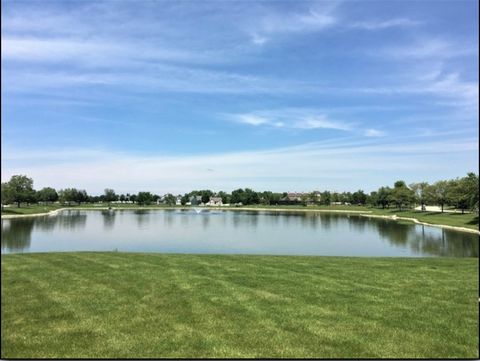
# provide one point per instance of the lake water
(228, 232)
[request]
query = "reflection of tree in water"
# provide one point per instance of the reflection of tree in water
(72, 220)
(17, 233)
(245, 219)
(141, 215)
(325, 221)
(168, 217)
(445, 243)
(424, 240)
(205, 220)
(395, 233)
(46, 224)
(356, 223)
(108, 219)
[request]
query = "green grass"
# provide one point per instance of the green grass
(120, 305)
(467, 220)
(31, 209)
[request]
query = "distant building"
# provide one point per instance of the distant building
(294, 197)
(215, 201)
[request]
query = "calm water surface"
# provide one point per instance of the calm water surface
(246, 232)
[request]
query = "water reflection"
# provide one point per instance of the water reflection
(16, 234)
(108, 219)
(249, 231)
(142, 217)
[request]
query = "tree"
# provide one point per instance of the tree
(420, 191)
(251, 197)
(372, 198)
(471, 186)
(206, 194)
(238, 196)
(185, 199)
(170, 199)
(144, 198)
(437, 193)
(359, 197)
(225, 197)
(20, 189)
(384, 197)
(463, 192)
(6, 194)
(401, 194)
(326, 198)
(109, 195)
(47, 194)
(69, 195)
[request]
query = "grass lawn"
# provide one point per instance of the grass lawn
(122, 305)
(467, 220)
(31, 209)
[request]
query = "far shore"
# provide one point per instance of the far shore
(363, 213)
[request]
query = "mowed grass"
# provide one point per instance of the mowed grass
(30, 209)
(121, 305)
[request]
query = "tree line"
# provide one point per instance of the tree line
(461, 193)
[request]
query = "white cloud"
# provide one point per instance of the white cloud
(374, 133)
(324, 165)
(385, 24)
(436, 48)
(292, 118)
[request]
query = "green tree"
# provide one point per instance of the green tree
(20, 189)
(69, 195)
(6, 194)
(384, 196)
(463, 192)
(109, 195)
(437, 193)
(238, 196)
(185, 199)
(401, 194)
(359, 197)
(144, 198)
(206, 194)
(225, 197)
(251, 197)
(326, 198)
(471, 186)
(420, 191)
(170, 199)
(47, 194)
(372, 199)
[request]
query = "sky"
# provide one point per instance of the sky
(170, 96)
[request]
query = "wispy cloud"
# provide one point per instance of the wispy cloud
(258, 169)
(374, 133)
(385, 24)
(290, 119)
(274, 23)
(433, 47)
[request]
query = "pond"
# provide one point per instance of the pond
(232, 232)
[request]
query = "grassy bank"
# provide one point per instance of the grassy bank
(467, 220)
(152, 305)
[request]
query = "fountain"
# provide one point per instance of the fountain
(194, 203)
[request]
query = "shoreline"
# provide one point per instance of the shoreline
(360, 213)
(416, 221)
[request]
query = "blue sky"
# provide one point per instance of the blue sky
(286, 96)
